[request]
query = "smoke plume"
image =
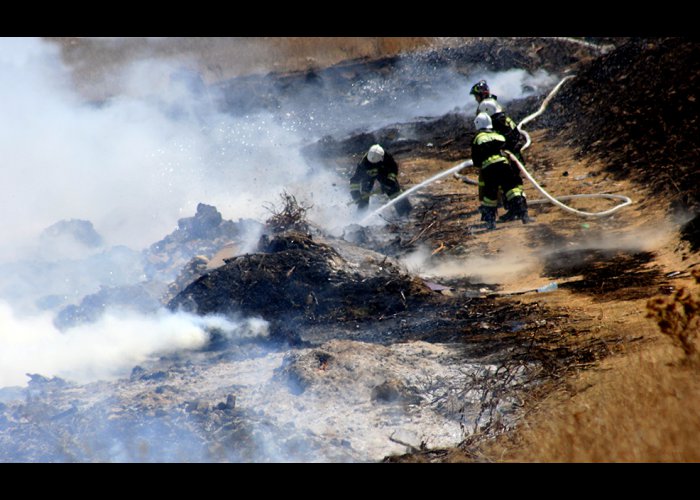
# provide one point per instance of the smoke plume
(106, 349)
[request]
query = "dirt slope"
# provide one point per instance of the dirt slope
(610, 387)
(636, 398)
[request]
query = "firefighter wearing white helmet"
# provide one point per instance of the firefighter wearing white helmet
(483, 121)
(495, 171)
(375, 154)
(377, 165)
(489, 106)
(505, 126)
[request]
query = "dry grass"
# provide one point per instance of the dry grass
(642, 402)
(94, 61)
(641, 406)
(678, 317)
(644, 409)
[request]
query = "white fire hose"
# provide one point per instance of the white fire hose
(548, 198)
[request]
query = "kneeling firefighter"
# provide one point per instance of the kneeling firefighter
(377, 165)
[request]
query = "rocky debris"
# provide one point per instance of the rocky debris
(193, 270)
(76, 230)
(294, 278)
(138, 298)
(204, 234)
(178, 259)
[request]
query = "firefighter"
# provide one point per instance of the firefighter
(377, 165)
(504, 125)
(481, 92)
(495, 172)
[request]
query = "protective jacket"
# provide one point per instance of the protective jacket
(504, 125)
(386, 173)
(494, 169)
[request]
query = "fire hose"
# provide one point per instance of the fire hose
(548, 198)
(556, 201)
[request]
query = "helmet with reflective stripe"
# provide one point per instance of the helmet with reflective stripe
(483, 121)
(480, 90)
(375, 154)
(490, 106)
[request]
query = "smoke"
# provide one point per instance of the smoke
(137, 162)
(517, 260)
(514, 83)
(512, 261)
(134, 164)
(106, 349)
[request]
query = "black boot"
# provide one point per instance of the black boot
(508, 216)
(489, 215)
(520, 209)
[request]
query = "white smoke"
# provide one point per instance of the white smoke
(514, 83)
(134, 164)
(106, 349)
(512, 261)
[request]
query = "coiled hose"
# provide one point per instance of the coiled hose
(548, 198)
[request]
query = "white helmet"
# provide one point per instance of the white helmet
(489, 106)
(482, 121)
(375, 154)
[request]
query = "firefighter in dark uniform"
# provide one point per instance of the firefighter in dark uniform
(377, 165)
(495, 172)
(504, 125)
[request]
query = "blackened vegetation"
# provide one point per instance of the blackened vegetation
(532, 348)
(636, 108)
(691, 233)
(435, 217)
(178, 258)
(137, 298)
(51, 426)
(292, 215)
(296, 278)
(447, 138)
(605, 274)
(401, 77)
(453, 132)
(203, 234)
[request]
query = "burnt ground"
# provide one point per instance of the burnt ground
(623, 125)
(606, 269)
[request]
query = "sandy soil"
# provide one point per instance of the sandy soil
(607, 269)
(635, 397)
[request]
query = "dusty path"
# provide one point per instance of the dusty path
(606, 270)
